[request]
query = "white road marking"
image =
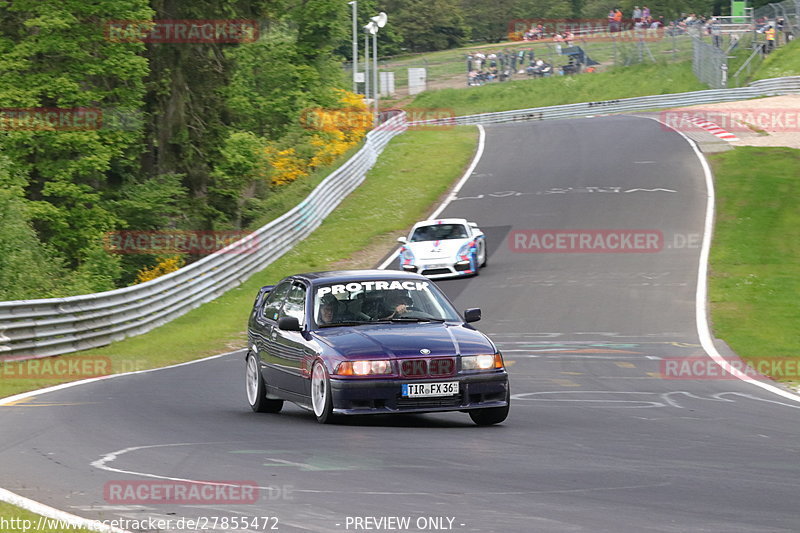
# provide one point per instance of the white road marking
(701, 310)
(454, 193)
(56, 514)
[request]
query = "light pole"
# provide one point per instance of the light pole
(375, 24)
(366, 61)
(354, 3)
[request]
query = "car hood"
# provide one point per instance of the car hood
(436, 249)
(404, 340)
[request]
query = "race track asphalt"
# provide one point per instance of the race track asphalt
(598, 438)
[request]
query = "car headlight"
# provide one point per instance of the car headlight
(364, 368)
(482, 362)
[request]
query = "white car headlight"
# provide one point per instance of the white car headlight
(364, 368)
(482, 362)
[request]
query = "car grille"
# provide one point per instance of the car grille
(424, 403)
(435, 271)
(424, 368)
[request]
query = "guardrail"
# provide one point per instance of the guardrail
(771, 87)
(41, 328)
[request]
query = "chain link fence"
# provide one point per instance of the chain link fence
(450, 68)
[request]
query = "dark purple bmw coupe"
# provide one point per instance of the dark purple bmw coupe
(370, 342)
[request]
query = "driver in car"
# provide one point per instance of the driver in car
(398, 305)
(328, 311)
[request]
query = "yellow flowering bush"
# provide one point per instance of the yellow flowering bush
(335, 131)
(165, 265)
(287, 166)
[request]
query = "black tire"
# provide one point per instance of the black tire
(491, 415)
(257, 389)
(485, 255)
(321, 399)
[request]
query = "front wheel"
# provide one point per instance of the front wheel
(491, 415)
(257, 390)
(321, 399)
(483, 257)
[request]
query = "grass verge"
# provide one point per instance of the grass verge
(785, 61)
(22, 520)
(622, 82)
(754, 281)
(398, 191)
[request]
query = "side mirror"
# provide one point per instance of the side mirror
(402, 240)
(472, 315)
(288, 323)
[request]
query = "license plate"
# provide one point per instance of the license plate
(437, 265)
(419, 390)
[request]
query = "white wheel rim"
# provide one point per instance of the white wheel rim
(319, 391)
(252, 380)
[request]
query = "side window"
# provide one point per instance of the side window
(274, 300)
(295, 303)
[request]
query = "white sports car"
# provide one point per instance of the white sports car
(443, 248)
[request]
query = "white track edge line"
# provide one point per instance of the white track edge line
(30, 394)
(51, 512)
(701, 311)
(55, 514)
(454, 193)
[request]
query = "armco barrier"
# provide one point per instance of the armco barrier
(40, 328)
(771, 87)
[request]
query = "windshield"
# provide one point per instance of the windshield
(365, 302)
(439, 232)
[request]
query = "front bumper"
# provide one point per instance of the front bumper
(372, 396)
(438, 270)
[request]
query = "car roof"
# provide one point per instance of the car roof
(435, 221)
(343, 276)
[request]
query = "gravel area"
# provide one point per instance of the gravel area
(772, 121)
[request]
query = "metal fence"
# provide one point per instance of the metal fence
(710, 64)
(40, 328)
(772, 87)
(789, 11)
(746, 44)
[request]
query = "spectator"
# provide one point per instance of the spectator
(637, 14)
(479, 59)
(645, 12)
(618, 19)
(558, 39)
(716, 32)
(770, 33)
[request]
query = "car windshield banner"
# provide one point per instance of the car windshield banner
(342, 288)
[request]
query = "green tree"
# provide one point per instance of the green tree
(427, 25)
(55, 55)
